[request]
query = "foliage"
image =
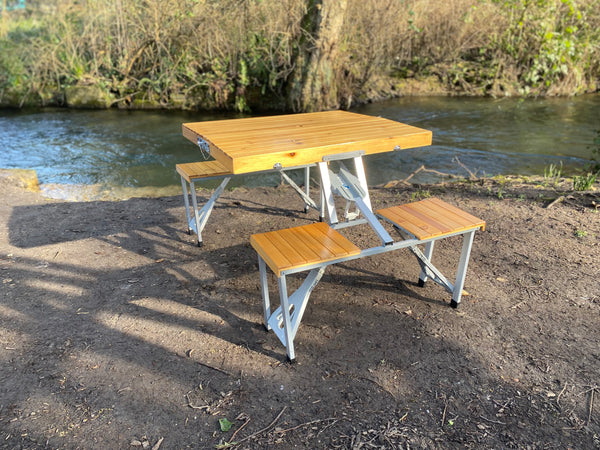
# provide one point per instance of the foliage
(584, 182)
(596, 152)
(552, 174)
(239, 54)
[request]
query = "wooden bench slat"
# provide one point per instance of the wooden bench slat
(301, 246)
(272, 255)
(441, 214)
(468, 218)
(435, 216)
(287, 249)
(322, 245)
(417, 227)
(431, 217)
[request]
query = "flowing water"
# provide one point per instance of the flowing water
(116, 151)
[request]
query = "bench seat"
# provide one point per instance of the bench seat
(303, 246)
(199, 170)
(431, 217)
(311, 248)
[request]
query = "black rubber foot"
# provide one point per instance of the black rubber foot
(321, 219)
(421, 283)
(292, 361)
(453, 304)
(306, 209)
(200, 244)
(189, 231)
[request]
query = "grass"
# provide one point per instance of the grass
(584, 182)
(552, 174)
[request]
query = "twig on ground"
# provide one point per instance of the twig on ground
(207, 407)
(215, 368)
(240, 417)
(420, 169)
(492, 421)
(591, 391)
(560, 394)
(264, 429)
(555, 201)
(157, 445)
(312, 422)
(444, 413)
(472, 175)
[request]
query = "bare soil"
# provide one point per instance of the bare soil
(117, 331)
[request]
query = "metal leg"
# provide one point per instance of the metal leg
(462, 268)
(186, 202)
(196, 223)
(307, 186)
(322, 197)
(362, 177)
(428, 254)
(328, 199)
(287, 325)
(264, 287)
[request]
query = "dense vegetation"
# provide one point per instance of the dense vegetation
(248, 53)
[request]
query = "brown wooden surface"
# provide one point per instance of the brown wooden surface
(431, 218)
(301, 246)
(202, 169)
(258, 143)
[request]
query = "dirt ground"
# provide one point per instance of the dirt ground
(117, 331)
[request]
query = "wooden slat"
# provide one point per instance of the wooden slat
(333, 239)
(272, 255)
(418, 224)
(441, 214)
(320, 243)
(301, 246)
(468, 218)
(431, 218)
(292, 255)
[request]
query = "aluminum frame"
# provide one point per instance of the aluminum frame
(197, 218)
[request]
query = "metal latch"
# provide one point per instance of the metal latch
(204, 147)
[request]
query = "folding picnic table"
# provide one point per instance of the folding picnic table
(279, 142)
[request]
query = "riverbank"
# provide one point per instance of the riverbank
(117, 331)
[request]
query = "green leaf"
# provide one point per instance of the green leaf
(225, 424)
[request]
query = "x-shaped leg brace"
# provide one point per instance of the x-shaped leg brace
(285, 320)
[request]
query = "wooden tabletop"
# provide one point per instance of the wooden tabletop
(258, 143)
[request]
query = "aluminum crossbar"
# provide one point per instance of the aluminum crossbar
(305, 195)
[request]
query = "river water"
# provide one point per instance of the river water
(115, 151)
